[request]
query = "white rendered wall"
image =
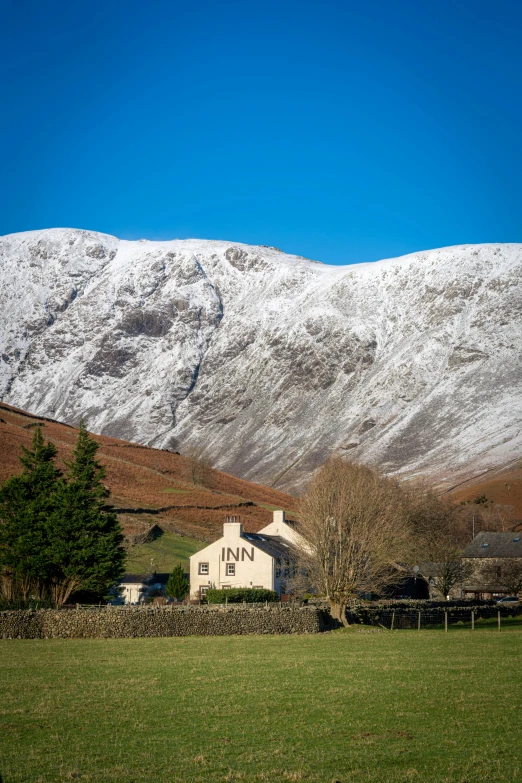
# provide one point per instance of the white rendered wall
(132, 593)
(279, 527)
(253, 568)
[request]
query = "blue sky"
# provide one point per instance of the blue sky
(342, 131)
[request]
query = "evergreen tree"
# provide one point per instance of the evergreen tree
(26, 504)
(178, 584)
(85, 550)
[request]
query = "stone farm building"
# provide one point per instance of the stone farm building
(240, 559)
(491, 554)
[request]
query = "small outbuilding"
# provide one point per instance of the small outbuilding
(136, 588)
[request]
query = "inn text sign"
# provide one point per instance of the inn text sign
(227, 553)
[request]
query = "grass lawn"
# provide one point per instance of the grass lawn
(343, 706)
(168, 550)
(487, 624)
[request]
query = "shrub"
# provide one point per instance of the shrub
(236, 595)
(178, 585)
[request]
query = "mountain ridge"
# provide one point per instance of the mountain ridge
(265, 361)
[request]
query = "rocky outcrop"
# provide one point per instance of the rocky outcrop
(151, 534)
(266, 363)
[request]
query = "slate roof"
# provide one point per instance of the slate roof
(495, 545)
(434, 569)
(144, 579)
(133, 579)
(159, 578)
(275, 546)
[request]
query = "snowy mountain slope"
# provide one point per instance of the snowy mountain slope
(268, 362)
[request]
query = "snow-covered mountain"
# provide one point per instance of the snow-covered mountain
(268, 362)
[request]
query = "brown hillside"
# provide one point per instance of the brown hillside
(156, 483)
(502, 486)
(159, 485)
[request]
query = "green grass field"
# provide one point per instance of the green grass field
(167, 551)
(343, 706)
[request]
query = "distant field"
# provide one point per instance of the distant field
(167, 551)
(345, 706)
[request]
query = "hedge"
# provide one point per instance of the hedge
(32, 603)
(239, 595)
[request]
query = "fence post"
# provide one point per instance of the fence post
(446, 621)
(472, 619)
(419, 622)
(392, 621)
(499, 619)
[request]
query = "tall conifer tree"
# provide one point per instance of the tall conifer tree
(86, 551)
(27, 502)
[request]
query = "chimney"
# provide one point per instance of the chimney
(232, 528)
(279, 517)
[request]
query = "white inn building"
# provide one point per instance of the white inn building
(242, 559)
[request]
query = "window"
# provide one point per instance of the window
(231, 569)
(498, 572)
(285, 568)
(203, 569)
(203, 590)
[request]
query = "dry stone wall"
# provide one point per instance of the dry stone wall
(128, 622)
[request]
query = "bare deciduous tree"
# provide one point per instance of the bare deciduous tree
(497, 517)
(485, 515)
(200, 467)
(293, 577)
(446, 574)
(439, 538)
(504, 573)
(356, 525)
